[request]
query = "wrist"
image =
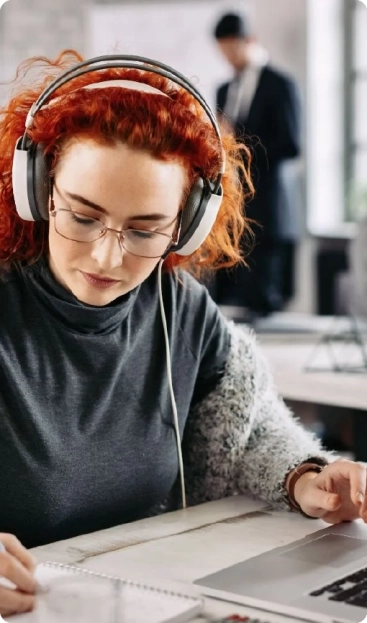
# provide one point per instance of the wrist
(293, 478)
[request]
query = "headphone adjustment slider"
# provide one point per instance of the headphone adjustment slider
(30, 117)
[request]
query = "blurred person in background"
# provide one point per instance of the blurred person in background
(261, 106)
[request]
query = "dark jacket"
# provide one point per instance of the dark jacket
(272, 130)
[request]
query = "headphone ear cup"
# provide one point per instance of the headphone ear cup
(198, 217)
(191, 210)
(38, 182)
(30, 181)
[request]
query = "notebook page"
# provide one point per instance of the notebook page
(140, 603)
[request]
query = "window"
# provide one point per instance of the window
(336, 116)
(356, 103)
(325, 114)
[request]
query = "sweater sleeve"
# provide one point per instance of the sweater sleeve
(242, 437)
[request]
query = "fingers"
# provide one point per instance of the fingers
(14, 547)
(16, 565)
(358, 484)
(13, 570)
(355, 473)
(15, 601)
(338, 493)
(318, 502)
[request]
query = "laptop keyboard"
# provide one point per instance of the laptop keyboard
(351, 590)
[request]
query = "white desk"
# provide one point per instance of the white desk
(182, 546)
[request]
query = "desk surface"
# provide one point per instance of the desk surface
(183, 546)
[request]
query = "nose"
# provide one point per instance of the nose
(108, 252)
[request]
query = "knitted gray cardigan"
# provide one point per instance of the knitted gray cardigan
(242, 437)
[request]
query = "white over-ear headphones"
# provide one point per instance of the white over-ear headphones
(30, 170)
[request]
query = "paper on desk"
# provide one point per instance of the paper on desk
(117, 600)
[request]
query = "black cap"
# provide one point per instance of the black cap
(232, 25)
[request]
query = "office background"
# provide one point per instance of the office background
(322, 44)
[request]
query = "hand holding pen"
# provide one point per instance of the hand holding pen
(17, 567)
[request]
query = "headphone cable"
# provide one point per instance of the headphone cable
(170, 385)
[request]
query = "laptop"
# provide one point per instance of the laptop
(321, 578)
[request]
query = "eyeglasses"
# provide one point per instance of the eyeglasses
(81, 228)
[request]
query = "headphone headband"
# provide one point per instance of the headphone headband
(141, 63)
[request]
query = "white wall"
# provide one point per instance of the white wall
(177, 35)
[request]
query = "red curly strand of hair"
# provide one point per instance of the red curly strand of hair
(174, 129)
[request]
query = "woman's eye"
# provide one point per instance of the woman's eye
(82, 220)
(138, 233)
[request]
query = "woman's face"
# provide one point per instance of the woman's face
(124, 188)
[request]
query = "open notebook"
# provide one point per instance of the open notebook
(139, 603)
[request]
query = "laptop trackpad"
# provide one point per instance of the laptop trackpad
(332, 550)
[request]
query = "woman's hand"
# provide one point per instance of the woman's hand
(336, 494)
(16, 565)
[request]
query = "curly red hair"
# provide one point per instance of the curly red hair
(176, 129)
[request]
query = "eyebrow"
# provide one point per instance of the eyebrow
(155, 216)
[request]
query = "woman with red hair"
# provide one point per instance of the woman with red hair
(123, 390)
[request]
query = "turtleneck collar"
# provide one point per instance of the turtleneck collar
(67, 309)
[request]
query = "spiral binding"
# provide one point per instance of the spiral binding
(124, 582)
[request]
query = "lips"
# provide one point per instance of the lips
(97, 281)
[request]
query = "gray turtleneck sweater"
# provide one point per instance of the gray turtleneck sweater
(86, 433)
(86, 428)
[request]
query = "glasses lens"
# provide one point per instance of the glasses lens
(81, 228)
(145, 243)
(77, 226)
